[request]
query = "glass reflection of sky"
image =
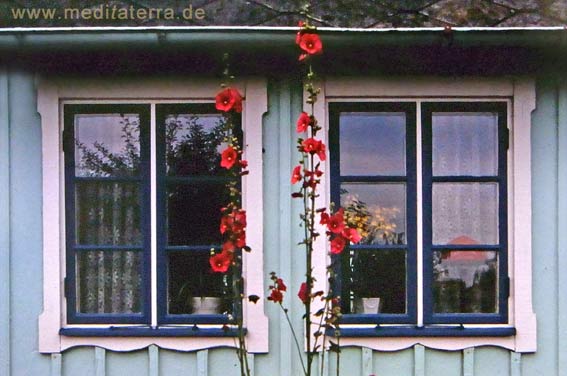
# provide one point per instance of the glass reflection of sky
(372, 143)
(385, 203)
(105, 129)
(208, 121)
(465, 144)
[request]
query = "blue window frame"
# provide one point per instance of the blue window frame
(108, 185)
(463, 209)
(373, 176)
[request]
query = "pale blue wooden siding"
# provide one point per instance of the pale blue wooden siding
(21, 258)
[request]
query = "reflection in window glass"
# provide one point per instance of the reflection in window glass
(107, 145)
(193, 288)
(465, 209)
(377, 210)
(465, 143)
(193, 144)
(465, 281)
(109, 281)
(372, 143)
(378, 281)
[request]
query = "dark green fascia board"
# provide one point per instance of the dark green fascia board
(271, 39)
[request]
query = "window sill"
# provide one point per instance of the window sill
(146, 331)
(425, 331)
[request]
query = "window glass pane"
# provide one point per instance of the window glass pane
(465, 143)
(377, 281)
(465, 213)
(109, 281)
(193, 144)
(465, 281)
(192, 288)
(107, 213)
(194, 213)
(372, 143)
(107, 144)
(378, 210)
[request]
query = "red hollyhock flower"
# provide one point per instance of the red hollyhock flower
(229, 99)
(302, 294)
(220, 262)
(310, 43)
(228, 246)
(352, 234)
(296, 175)
(226, 224)
(337, 245)
(324, 218)
(314, 146)
(243, 163)
(336, 222)
(281, 285)
(303, 122)
(240, 240)
(276, 296)
(318, 173)
(240, 217)
(228, 157)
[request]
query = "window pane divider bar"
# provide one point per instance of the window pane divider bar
(467, 247)
(153, 214)
(107, 179)
(465, 179)
(191, 248)
(378, 247)
(106, 247)
(198, 179)
(372, 179)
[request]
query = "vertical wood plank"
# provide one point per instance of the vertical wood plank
(153, 360)
(515, 364)
(561, 224)
(367, 364)
(100, 361)
(285, 222)
(468, 362)
(251, 363)
(56, 364)
(202, 363)
(419, 360)
(5, 305)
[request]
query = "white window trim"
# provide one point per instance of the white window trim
(51, 93)
(520, 92)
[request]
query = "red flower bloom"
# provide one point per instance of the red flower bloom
(303, 122)
(302, 294)
(229, 99)
(318, 173)
(352, 234)
(296, 175)
(225, 224)
(220, 262)
(324, 218)
(313, 146)
(337, 245)
(228, 246)
(310, 43)
(228, 157)
(276, 296)
(281, 285)
(240, 240)
(336, 222)
(240, 217)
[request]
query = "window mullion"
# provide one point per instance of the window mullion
(419, 213)
(153, 200)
